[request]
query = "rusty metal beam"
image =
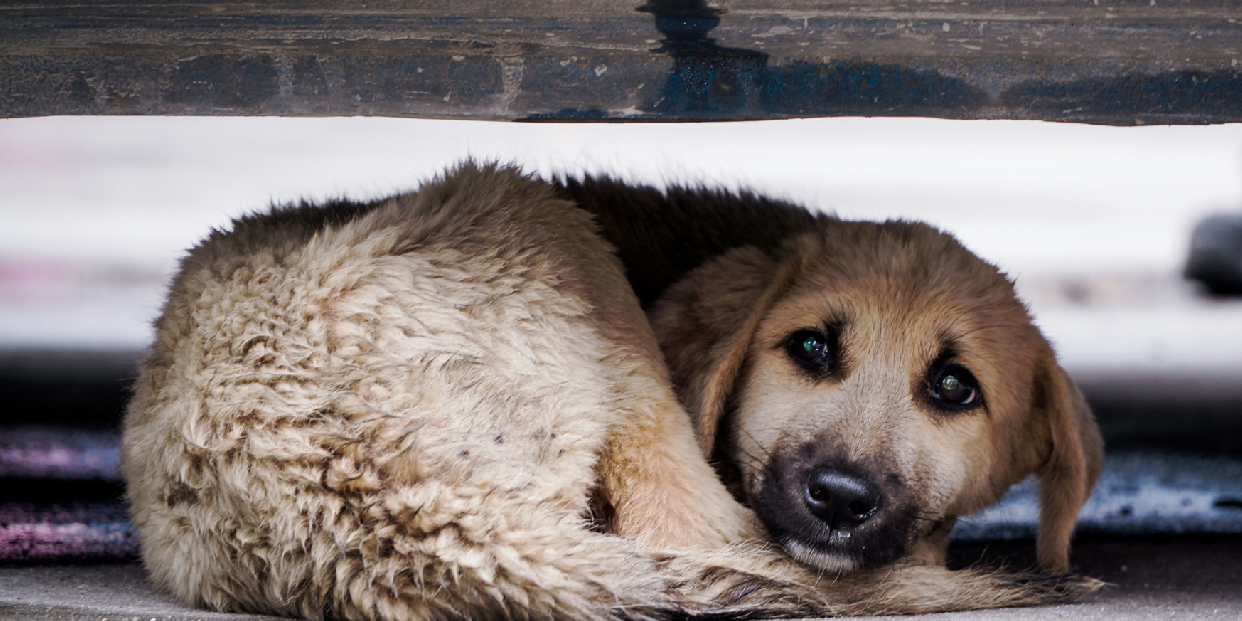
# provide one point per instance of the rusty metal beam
(1105, 61)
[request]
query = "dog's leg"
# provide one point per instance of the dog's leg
(662, 491)
(930, 548)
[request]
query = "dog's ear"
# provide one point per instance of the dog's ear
(1073, 465)
(705, 324)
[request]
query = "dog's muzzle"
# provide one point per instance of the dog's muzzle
(835, 514)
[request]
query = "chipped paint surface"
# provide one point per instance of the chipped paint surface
(665, 59)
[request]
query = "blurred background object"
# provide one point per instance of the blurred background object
(1216, 254)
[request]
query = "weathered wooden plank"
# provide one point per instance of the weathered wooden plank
(1105, 61)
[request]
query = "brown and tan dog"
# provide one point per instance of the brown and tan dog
(859, 385)
(450, 404)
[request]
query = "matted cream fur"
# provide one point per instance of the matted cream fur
(450, 404)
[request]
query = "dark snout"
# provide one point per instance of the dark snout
(835, 513)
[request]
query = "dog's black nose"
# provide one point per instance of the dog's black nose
(839, 500)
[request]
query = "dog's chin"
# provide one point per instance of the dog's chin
(827, 560)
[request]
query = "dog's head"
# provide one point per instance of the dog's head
(870, 384)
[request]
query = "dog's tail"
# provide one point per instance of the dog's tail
(474, 570)
(927, 589)
(752, 582)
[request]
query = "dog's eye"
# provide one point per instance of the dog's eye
(955, 387)
(812, 350)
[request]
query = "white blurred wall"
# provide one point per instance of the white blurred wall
(1093, 222)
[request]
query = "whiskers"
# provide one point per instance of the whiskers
(751, 462)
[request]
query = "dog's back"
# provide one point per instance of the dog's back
(660, 236)
(391, 410)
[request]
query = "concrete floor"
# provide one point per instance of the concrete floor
(116, 592)
(1169, 578)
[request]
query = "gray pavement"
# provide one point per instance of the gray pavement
(115, 592)
(1172, 578)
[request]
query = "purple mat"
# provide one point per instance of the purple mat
(54, 466)
(70, 531)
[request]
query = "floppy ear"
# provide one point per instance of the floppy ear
(1073, 464)
(705, 324)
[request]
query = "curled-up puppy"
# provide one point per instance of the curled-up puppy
(450, 404)
(859, 385)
